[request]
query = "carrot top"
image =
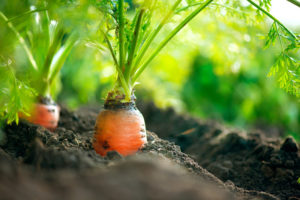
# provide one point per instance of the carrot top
(129, 32)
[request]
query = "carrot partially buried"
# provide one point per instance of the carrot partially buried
(44, 115)
(121, 129)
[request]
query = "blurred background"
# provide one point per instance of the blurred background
(216, 68)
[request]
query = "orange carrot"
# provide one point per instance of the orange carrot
(122, 130)
(44, 115)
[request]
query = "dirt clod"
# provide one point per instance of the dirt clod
(289, 145)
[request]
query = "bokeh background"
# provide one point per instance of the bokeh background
(216, 68)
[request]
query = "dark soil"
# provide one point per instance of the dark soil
(248, 160)
(38, 164)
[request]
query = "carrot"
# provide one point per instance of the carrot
(44, 114)
(121, 129)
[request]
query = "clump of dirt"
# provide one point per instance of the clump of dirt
(38, 164)
(249, 160)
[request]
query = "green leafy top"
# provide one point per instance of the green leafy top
(128, 40)
(47, 45)
(129, 31)
(16, 96)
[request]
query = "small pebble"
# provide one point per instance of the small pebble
(150, 138)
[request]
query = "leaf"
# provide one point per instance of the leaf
(15, 96)
(272, 36)
(60, 57)
(286, 70)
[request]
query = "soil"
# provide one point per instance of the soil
(39, 164)
(249, 160)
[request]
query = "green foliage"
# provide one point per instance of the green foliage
(242, 98)
(86, 77)
(131, 38)
(236, 89)
(46, 44)
(298, 181)
(135, 33)
(15, 95)
(286, 68)
(126, 36)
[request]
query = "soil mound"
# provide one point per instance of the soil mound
(249, 160)
(38, 164)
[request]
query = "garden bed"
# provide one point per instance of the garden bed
(38, 164)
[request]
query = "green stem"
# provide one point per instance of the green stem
(169, 37)
(133, 45)
(216, 4)
(111, 50)
(26, 13)
(279, 37)
(21, 40)
(295, 2)
(121, 78)
(45, 91)
(153, 35)
(60, 57)
(124, 84)
(45, 72)
(272, 17)
(51, 53)
(121, 33)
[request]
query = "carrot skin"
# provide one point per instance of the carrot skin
(120, 130)
(44, 115)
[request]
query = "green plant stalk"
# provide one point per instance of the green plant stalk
(134, 44)
(111, 50)
(133, 23)
(273, 18)
(152, 36)
(131, 30)
(26, 13)
(147, 32)
(46, 88)
(47, 64)
(124, 84)
(45, 25)
(51, 52)
(216, 4)
(121, 34)
(60, 58)
(121, 78)
(22, 41)
(169, 37)
(295, 2)
(278, 35)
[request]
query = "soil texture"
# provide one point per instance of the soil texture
(39, 164)
(249, 160)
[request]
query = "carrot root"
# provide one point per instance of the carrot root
(121, 130)
(44, 115)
